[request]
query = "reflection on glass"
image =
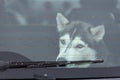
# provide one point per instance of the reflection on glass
(50, 30)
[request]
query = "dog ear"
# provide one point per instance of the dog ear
(61, 22)
(98, 32)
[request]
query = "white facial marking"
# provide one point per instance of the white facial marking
(63, 42)
(77, 50)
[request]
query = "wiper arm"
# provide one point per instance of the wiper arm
(42, 64)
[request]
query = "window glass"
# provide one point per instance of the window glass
(61, 30)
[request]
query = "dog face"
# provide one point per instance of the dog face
(77, 40)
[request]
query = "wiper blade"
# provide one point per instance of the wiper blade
(42, 64)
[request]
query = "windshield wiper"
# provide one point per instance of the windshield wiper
(41, 64)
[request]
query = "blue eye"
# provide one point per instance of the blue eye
(79, 46)
(63, 41)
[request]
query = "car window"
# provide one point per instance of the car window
(65, 30)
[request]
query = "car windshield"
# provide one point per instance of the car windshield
(61, 30)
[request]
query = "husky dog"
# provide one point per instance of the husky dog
(80, 41)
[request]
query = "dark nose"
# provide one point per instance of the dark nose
(61, 59)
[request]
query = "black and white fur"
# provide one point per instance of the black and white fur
(80, 41)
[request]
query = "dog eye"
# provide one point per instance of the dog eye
(79, 46)
(63, 41)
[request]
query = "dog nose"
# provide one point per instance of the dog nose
(61, 59)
